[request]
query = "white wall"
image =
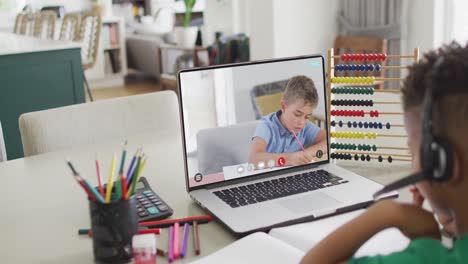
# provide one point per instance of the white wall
(421, 25)
(259, 14)
(218, 16)
(304, 26)
(279, 28)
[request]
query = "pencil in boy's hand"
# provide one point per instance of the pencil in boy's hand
(298, 141)
(110, 182)
(99, 177)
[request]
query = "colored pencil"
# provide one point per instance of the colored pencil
(183, 251)
(92, 190)
(132, 167)
(196, 238)
(118, 184)
(201, 219)
(123, 183)
(82, 184)
(171, 244)
(110, 182)
(176, 246)
(99, 177)
(131, 188)
(155, 231)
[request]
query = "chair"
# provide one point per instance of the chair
(224, 146)
(266, 99)
(20, 19)
(70, 27)
(24, 24)
(97, 122)
(3, 156)
(44, 25)
(360, 44)
(88, 35)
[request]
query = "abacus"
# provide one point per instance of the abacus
(363, 126)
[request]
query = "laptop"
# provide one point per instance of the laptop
(221, 108)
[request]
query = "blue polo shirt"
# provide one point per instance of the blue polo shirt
(279, 139)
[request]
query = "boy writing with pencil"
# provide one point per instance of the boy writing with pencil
(447, 198)
(288, 133)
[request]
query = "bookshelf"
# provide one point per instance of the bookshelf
(111, 62)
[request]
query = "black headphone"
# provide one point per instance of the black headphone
(436, 154)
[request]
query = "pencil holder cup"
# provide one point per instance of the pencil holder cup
(113, 226)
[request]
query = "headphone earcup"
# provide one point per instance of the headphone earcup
(442, 160)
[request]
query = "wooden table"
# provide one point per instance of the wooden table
(43, 207)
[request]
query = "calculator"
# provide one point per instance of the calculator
(149, 205)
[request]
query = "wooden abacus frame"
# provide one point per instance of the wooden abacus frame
(331, 73)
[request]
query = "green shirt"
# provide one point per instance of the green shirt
(422, 250)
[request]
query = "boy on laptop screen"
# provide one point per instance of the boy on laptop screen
(251, 122)
(287, 136)
(256, 145)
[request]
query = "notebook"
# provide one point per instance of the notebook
(289, 244)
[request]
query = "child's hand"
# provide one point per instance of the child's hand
(445, 220)
(299, 158)
(412, 220)
(415, 222)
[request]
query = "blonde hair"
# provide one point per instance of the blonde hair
(300, 87)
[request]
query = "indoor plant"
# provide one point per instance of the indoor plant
(187, 35)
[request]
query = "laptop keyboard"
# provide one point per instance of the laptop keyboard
(277, 188)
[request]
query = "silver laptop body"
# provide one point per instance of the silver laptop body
(352, 192)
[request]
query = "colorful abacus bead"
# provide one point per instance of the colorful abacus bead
(390, 159)
(356, 157)
(333, 123)
(380, 158)
(368, 157)
(388, 126)
(374, 147)
(378, 67)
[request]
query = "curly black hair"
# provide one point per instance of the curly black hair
(450, 88)
(451, 76)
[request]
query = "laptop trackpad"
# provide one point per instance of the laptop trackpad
(308, 203)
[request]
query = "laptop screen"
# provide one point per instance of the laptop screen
(242, 120)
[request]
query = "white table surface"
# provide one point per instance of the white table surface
(14, 44)
(42, 207)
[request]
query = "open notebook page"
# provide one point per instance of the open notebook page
(255, 248)
(305, 236)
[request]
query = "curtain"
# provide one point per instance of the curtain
(378, 18)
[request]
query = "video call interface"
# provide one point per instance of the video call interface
(241, 121)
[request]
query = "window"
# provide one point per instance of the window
(457, 21)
